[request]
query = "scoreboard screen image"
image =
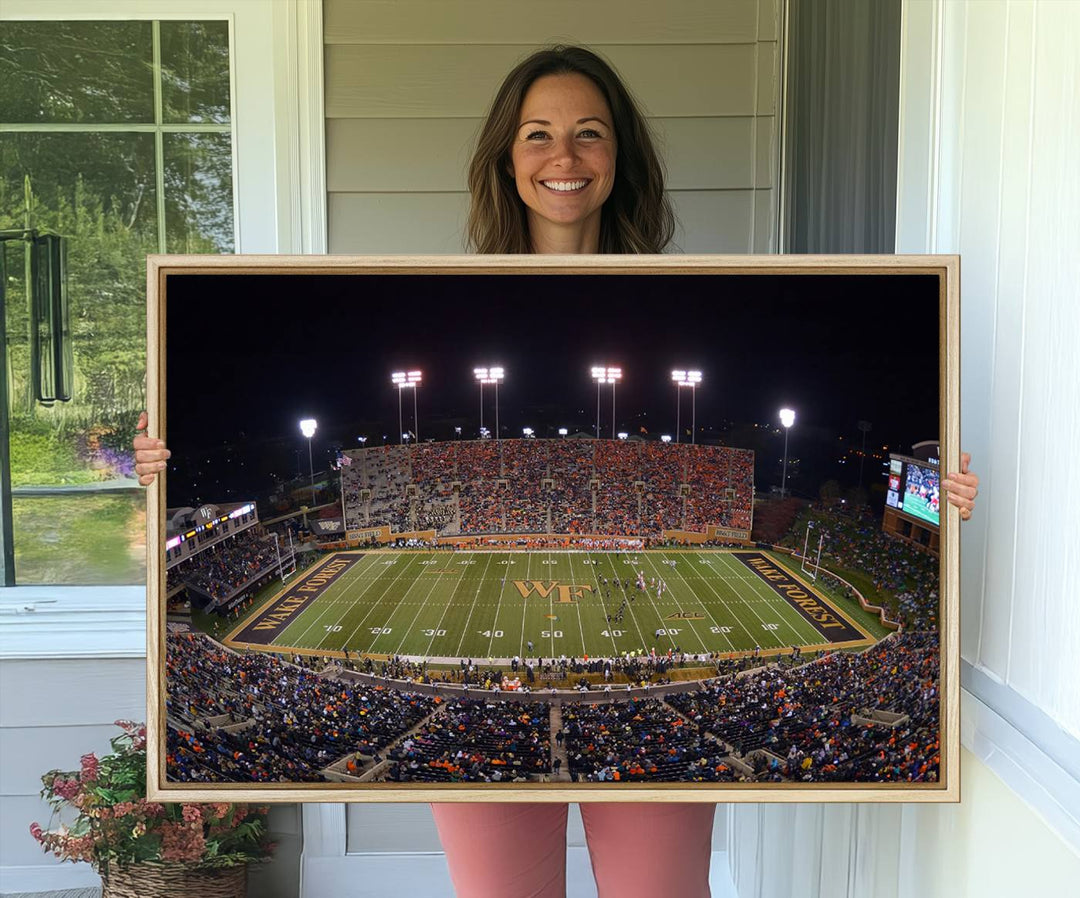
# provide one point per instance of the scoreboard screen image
(915, 490)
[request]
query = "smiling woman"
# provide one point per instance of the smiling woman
(563, 162)
(560, 118)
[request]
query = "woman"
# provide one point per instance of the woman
(565, 164)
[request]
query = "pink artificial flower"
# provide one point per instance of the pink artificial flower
(89, 767)
(65, 788)
(181, 842)
(192, 814)
(37, 832)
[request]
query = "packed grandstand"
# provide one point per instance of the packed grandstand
(265, 717)
(550, 486)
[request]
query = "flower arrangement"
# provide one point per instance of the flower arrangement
(116, 825)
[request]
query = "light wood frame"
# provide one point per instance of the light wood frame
(946, 268)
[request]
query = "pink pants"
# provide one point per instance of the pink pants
(519, 850)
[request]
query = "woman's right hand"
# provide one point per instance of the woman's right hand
(150, 453)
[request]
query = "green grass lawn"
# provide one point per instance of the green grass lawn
(80, 539)
(491, 604)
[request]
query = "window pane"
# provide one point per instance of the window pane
(195, 72)
(98, 191)
(81, 539)
(76, 72)
(198, 193)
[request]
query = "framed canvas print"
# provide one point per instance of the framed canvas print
(554, 528)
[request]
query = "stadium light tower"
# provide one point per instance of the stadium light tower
(865, 427)
(689, 379)
(599, 374)
(787, 418)
(407, 380)
(494, 376)
(307, 428)
(606, 375)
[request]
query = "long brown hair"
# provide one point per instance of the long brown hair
(637, 216)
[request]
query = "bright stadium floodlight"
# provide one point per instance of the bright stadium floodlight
(666, 438)
(682, 378)
(614, 375)
(411, 380)
(494, 376)
(787, 418)
(307, 428)
(527, 431)
(623, 434)
(599, 374)
(563, 431)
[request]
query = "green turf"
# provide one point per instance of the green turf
(466, 604)
(828, 587)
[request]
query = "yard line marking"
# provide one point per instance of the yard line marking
(750, 596)
(322, 604)
(603, 604)
(801, 625)
(370, 608)
(419, 610)
(472, 608)
(708, 610)
(753, 639)
(581, 627)
(502, 586)
(446, 607)
(524, 610)
(629, 604)
(776, 604)
(332, 600)
(678, 604)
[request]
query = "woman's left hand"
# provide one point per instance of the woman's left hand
(961, 489)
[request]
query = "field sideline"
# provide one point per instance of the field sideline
(445, 606)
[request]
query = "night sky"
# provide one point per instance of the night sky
(249, 355)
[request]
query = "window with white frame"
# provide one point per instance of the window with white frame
(118, 137)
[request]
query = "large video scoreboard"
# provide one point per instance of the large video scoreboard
(912, 499)
(914, 489)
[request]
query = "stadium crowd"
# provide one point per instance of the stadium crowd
(473, 741)
(641, 740)
(549, 486)
(805, 717)
(853, 539)
(252, 717)
(227, 567)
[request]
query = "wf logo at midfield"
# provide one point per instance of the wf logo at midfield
(567, 592)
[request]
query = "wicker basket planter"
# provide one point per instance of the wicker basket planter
(149, 880)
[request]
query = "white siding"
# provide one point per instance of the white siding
(52, 713)
(1008, 200)
(989, 143)
(408, 83)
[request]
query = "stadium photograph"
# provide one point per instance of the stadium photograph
(598, 531)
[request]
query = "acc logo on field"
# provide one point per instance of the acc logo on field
(685, 615)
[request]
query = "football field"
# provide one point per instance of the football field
(450, 605)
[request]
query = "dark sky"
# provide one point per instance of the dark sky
(249, 355)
